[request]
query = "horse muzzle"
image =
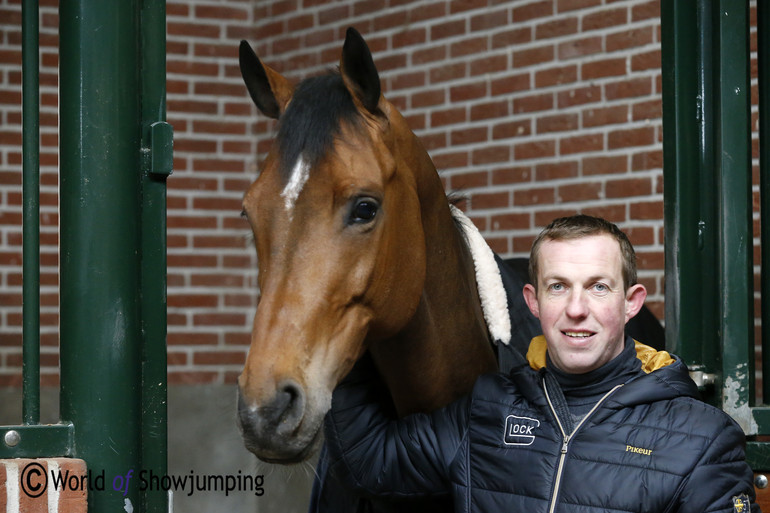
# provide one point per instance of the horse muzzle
(281, 429)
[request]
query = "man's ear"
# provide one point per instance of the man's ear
(635, 296)
(530, 297)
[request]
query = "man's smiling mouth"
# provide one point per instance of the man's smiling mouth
(578, 334)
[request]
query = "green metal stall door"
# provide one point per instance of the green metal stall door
(115, 154)
(707, 153)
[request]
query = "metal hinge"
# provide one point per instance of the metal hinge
(703, 379)
(158, 159)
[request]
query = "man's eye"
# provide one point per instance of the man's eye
(601, 288)
(556, 287)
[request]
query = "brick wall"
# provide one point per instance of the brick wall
(533, 108)
(36, 486)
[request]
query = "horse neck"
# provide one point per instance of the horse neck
(445, 347)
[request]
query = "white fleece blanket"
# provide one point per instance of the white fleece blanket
(494, 301)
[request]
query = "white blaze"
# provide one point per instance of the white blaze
(299, 175)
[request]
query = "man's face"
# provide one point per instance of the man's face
(581, 303)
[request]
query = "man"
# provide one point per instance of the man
(591, 421)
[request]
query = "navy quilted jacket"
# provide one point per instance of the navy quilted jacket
(649, 446)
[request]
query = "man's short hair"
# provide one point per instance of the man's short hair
(579, 226)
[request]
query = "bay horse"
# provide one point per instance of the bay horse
(358, 250)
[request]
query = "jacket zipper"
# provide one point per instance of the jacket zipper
(566, 439)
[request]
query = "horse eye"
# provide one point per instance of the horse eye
(364, 211)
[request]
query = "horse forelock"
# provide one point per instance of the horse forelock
(310, 124)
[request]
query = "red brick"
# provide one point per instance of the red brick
(581, 144)
(585, 191)
(447, 117)
(646, 61)
(571, 5)
(643, 136)
(605, 18)
(533, 56)
(491, 154)
(194, 338)
(192, 300)
(409, 37)
(447, 29)
(518, 174)
(539, 196)
(451, 160)
(430, 54)
(626, 39)
(605, 165)
(613, 213)
(468, 136)
(489, 110)
(556, 170)
(535, 149)
(580, 48)
(224, 13)
(510, 84)
(603, 68)
(449, 72)
(650, 10)
(628, 88)
(408, 80)
(561, 26)
(420, 12)
(652, 109)
(490, 200)
(468, 92)
(191, 377)
(647, 160)
(512, 37)
(533, 103)
(202, 30)
(646, 210)
(601, 116)
(518, 128)
(628, 187)
(532, 11)
(579, 96)
(219, 358)
(498, 244)
(510, 222)
(491, 64)
(557, 123)
(489, 19)
(556, 76)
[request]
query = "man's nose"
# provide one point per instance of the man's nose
(577, 305)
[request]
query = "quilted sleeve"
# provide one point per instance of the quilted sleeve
(721, 480)
(380, 456)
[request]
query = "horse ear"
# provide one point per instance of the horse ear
(270, 91)
(358, 70)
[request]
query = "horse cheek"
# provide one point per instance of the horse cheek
(401, 285)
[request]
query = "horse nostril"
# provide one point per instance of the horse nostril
(283, 413)
(289, 406)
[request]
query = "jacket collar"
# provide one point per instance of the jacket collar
(651, 359)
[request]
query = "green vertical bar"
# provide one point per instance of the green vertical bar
(101, 332)
(31, 215)
(763, 64)
(687, 177)
(157, 144)
(736, 235)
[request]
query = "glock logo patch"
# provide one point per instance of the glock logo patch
(520, 430)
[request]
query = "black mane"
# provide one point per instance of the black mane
(312, 120)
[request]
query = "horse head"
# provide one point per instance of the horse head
(336, 220)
